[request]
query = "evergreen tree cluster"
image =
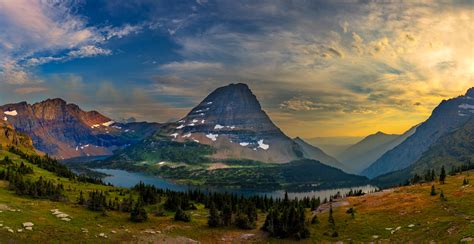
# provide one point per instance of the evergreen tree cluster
(181, 215)
(14, 174)
(138, 213)
(287, 220)
(52, 165)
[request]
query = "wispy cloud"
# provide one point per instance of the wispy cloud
(190, 66)
(33, 31)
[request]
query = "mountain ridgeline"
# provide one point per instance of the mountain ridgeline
(64, 130)
(448, 116)
(362, 154)
(452, 151)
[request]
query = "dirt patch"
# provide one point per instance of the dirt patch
(4, 207)
(326, 206)
(215, 166)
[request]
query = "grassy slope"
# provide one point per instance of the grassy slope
(433, 218)
(448, 221)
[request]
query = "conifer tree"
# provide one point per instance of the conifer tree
(214, 219)
(442, 197)
(138, 213)
(180, 215)
(433, 190)
(442, 175)
(331, 220)
(315, 220)
(81, 199)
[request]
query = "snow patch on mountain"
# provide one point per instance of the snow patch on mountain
(108, 123)
(5, 118)
(187, 135)
(244, 144)
(11, 113)
(174, 135)
(211, 136)
(218, 127)
(180, 127)
(263, 145)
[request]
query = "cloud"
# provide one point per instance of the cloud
(88, 51)
(34, 31)
(335, 52)
(11, 73)
(29, 90)
(300, 104)
(191, 66)
(392, 55)
(122, 31)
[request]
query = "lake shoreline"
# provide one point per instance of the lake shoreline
(128, 179)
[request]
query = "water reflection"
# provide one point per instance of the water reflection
(127, 179)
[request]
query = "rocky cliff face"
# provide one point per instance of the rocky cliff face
(449, 115)
(64, 130)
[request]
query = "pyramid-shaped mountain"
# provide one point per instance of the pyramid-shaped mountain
(446, 117)
(64, 130)
(231, 121)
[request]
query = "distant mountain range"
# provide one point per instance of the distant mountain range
(333, 145)
(448, 116)
(453, 149)
(362, 154)
(64, 131)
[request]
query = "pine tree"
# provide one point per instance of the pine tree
(227, 215)
(442, 175)
(138, 213)
(315, 220)
(81, 199)
(214, 219)
(331, 220)
(442, 197)
(180, 215)
(433, 190)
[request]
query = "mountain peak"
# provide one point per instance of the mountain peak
(470, 92)
(233, 97)
(233, 105)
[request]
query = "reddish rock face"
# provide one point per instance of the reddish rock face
(64, 130)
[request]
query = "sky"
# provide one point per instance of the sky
(319, 68)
